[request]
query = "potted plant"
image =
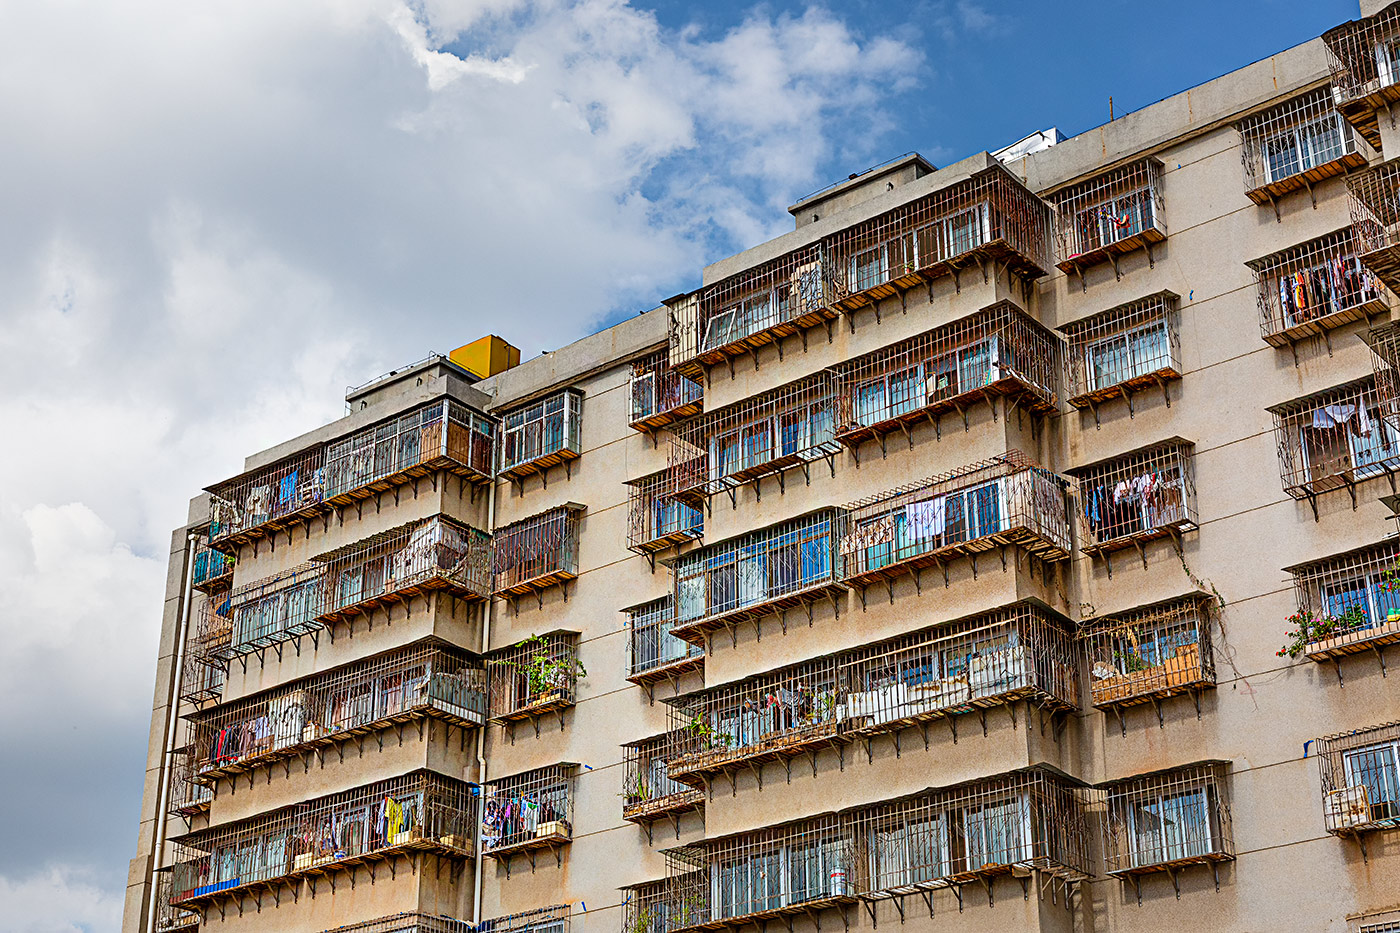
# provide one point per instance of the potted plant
(1309, 629)
(547, 678)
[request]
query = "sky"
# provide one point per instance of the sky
(215, 217)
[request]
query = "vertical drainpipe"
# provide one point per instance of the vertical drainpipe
(481, 733)
(173, 704)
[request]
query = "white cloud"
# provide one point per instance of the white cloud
(30, 902)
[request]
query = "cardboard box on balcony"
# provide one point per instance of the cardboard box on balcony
(552, 828)
(303, 861)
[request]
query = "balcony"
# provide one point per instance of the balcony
(406, 685)
(764, 573)
(202, 677)
(213, 570)
(421, 812)
(660, 395)
(656, 654)
(648, 793)
(1364, 59)
(444, 435)
(1314, 288)
(999, 352)
(990, 218)
(1124, 350)
(1375, 218)
(1296, 145)
(534, 677)
(1138, 497)
(1360, 780)
(1005, 501)
(1166, 821)
(170, 918)
(1384, 341)
(1148, 654)
(527, 813)
(540, 920)
(188, 797)
(656, 520)
(784, 429)
(408, 922)
(541, 435)
(1110, 216)
(1348, 603)
(1335, 440)
(537, 553)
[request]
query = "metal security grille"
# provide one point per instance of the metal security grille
(1360, 773)
(533, 677)
(1351, 601)
(1020, 652)
(409, 922)
(1149, 653)
(660, 395)
(1334, 440)
(1110, 215)
(1146, 494)
(1122, 350)
(169, 917)
(1314, 287)
(762, 573)
(406, 684)
(527, 812)
(656, 519)
(537, 552)
(768, 434)
(1364, 59)
(202, 676)
(1167, 820)
(553, 919)
(1000, 351)
(187, 795)
(1384, 342)
(655, 653)
(417, 812)
(1375, 219)
(541, 434)
(212, 569)
(444, 435)
(1295, 145)
(648, 792)
(1005, 500)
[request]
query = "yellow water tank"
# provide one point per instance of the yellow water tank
(486, 357)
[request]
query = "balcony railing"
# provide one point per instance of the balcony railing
(541, 434)
(1123, 350)
(1350, 601)
(444, 435)
(1296, 145)
(1110, 215)
(1384, 341)
(1360, 773)
(528, 812)
(1140, 496)
(656, 519)
(170, 918)
(761, 573)
(660, 395)
(553, 919)
(1005, 500)
(1150, 653)
(1364, 58)
(408, 922)
(213, 569)
(538, 552)
(1375, 220)
(655, 653)
(188, 796)
(1167, 820)
(1315, 287)
(419, 812)
(1334, 440)
(998, 352)
(368, 696)
(202, 676)
(534, 677)
(648, 792)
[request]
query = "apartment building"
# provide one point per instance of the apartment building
(1006, 547)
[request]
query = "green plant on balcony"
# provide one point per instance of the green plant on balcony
(546, 676)
(705, 734)
(1309, 628)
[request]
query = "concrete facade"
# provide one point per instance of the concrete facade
(1281, 868)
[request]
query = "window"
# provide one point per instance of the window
(541, 429)
(800, 431)
(1169, 826)
(1346, 437)
(1369, 591)
(911, 853)
(1374, 767)
(997, 833)
(1128, 355)
(790, 874)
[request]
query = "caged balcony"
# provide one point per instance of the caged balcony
(534, 677)
(1166, 821)
(1384, 341)
(536, 553)
(1150, 653)
(1364, 59)
(553, 919)
(443, 436)
(408, 922)
(1334, 440)
(999, 352)
(1124, 350)
(201, 677)
(1110, 215)
(1137, 497)
(660, 395)
(406, 685)
(1314, 288)
(990, 219)
(656, 519)
(1360, 773)
(417, 813)
(527, 813)
(763, 573)
(540, 435)
(1351, 602)
(1375, 220)
(188, 796)
(170, 918)
(1005, 501)
(648, 792)
(1294, 146)
(655, 653)
(213, 570)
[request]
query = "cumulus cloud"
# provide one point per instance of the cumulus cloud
(216, 217)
